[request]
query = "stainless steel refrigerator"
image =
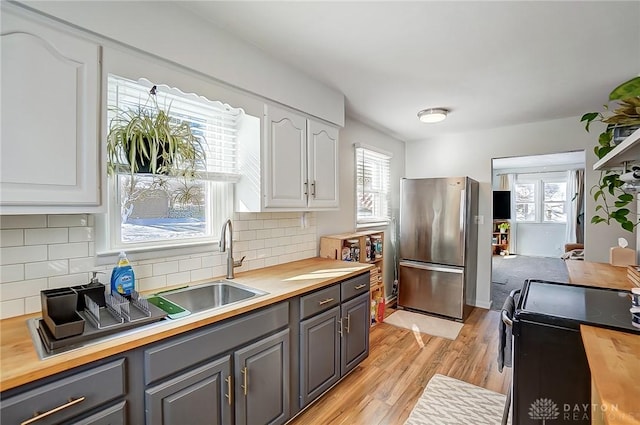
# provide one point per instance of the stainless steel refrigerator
(438, 242)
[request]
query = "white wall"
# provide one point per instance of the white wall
(170, 31)
(344, 220)
(540, 239)
(470, 154)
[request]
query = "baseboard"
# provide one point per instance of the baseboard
(483, 304)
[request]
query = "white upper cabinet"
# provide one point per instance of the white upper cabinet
(323, 165)
(49, 140)
(300, 168)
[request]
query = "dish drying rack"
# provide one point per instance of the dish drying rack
(116, 311)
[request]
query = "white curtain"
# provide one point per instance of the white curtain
(572, 203)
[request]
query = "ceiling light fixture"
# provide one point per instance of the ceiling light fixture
(433, 115)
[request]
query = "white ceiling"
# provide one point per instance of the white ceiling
(492, 63)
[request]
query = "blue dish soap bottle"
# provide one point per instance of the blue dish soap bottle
(122, 277)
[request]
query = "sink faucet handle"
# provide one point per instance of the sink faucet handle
(238, 263)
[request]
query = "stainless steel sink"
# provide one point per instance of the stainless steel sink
(210, 295)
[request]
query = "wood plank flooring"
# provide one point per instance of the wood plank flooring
(383, 389)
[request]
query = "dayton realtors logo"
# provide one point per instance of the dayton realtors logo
(544, 408)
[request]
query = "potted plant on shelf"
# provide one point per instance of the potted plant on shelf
(149, 140)
(503, 227)
(611, 200)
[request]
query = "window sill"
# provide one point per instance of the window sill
(107, 257)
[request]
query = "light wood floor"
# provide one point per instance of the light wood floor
(383, 389)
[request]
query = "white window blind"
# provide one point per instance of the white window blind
(213, 122)
(372, 186)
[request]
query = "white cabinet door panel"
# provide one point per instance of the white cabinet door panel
(323, 165)
(50, 101)
(286, 154)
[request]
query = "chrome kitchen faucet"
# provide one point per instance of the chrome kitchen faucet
(231, 263)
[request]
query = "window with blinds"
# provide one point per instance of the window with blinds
(372, 187)
(158, 211)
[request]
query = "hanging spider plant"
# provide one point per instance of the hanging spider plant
(148, 140)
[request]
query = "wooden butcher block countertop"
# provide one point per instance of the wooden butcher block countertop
(20, 363)
(614, 357)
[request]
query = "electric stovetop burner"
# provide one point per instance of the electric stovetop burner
(567, 305)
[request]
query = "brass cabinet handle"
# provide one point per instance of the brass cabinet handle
(37, 416)
(360, 286)
(323, 302)
(229, 389)
(340, 327)
(348, 322)
(245, 372)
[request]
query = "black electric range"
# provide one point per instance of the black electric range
(569, 306)
(550, 367)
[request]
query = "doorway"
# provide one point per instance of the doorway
(546, 198)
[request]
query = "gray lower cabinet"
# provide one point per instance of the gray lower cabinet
(334, 335)
(262, 381)
(71, 398)
(319, 354)
(355, 332)
(200, 396)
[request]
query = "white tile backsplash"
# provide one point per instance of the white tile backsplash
(39, 252)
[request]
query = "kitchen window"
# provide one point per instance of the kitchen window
(373, 170)
(150, 211)
(541, 200)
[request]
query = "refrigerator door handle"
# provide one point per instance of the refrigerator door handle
(432, 268)
(463, 210)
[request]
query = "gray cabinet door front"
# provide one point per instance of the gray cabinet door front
(197, 397)
(319, 354)
(262, 381)
(355, 332)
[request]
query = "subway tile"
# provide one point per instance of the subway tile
(246, 216)
(258, 263)
(69, 280)
(69, 250)
(11, 237)
(178, 278)
(246, 235)
(88, 264)
(46, 269)
(151, 283)
(142, 271)
(276, 233)
(190, 264)
(256, 224)
(257, 244)
(11, 308)
(81, 234)
(32, 305)
(91, 220)
(270, 261)
(205, 273)
(67, 220)
(270, 224)
(241, 225)
(263, 234)
(11, 273)
(218, 272)
(46, 236)
(284, 241)
(23, 254)
(166, 267)
(92, 249)
(22, 221)
(263, 215)
(22, 289)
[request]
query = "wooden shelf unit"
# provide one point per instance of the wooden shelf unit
(333, 246)
(500, 240)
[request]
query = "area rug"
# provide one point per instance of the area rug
(424, 324)
(448, 401)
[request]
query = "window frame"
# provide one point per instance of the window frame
(385, 162)
(539, 201)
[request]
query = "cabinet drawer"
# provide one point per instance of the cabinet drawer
(319, 301)
(182, 352)
(114, 415)
(355, 286)
(92, 387)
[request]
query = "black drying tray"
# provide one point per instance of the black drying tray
(91, 332)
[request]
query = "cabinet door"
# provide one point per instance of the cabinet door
(262, 381)
(114, 415)
(49, 135)
(355, 332)
(201, 396)
(319, 354)
(323, 165)
(285, 170)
